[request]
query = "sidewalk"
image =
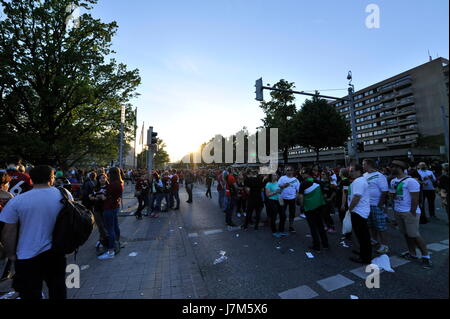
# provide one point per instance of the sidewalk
(164, 266)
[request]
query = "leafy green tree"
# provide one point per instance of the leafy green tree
(161, 156)
(280, 111)
(319, 125)
(60, 96)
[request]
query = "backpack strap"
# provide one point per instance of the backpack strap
(64, 194)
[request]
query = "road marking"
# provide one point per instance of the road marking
(335, 282)
(192, 235)
(437, 247)
(302, 292)
(445, 242)
(360, 272)
(214, 231)
(397, 261)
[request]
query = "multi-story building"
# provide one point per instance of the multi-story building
(393, 116)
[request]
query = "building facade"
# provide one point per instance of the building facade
(394, 117)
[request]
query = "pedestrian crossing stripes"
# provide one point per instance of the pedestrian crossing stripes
(214, 231)
(338, 281)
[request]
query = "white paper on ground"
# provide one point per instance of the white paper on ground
(290, 249)
(309, 255)
(133, 254)
(354, 297)
(278, 247)
(84, 267)
(383, 262)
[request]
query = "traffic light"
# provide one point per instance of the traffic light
(360, 147)
(259, 90)
(154, 139)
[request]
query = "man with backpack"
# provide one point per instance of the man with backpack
(30, 244)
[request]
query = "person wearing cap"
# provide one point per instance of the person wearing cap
(407, 211)
(429, 193)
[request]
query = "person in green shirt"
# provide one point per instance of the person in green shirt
(312, 201)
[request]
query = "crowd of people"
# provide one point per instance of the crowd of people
(362, 194)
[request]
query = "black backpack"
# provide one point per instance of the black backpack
(73, 226)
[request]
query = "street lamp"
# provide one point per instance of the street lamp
(351, 90)
(122, 121)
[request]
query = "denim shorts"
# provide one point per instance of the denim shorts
(377, 218)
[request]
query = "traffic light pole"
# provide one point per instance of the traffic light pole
(259, 97)
(150, 150)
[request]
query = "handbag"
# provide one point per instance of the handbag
(347, 223)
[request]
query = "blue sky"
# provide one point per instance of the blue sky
(199, 59)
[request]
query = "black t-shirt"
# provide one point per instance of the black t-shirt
(99, 190)
(255, 184)
(327, 189)
(342, 185)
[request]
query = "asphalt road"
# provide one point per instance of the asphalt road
(260, 266)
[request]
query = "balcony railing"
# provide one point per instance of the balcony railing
(404, 92)
(403, 82)
(406, 101)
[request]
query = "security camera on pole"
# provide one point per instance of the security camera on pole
(151, 143)
(356, 147)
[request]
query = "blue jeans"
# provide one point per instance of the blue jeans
(174, 196)
(112, 226)
(158, 198)
(231, 203)
(222, 199)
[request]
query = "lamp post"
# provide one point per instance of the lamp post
(122, 121)
(351, 90)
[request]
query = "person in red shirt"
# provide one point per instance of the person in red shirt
(175, 190)
(231, 194)
(20, 182)
(111, 206)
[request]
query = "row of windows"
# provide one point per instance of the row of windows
(369, 109)
(364, 127)
(366, 118)
(391, 139)
(359, 104)
(374, 133)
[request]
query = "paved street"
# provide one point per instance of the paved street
(174, 258)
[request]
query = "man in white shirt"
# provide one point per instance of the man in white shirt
(35, 261)
(378, 188)
(359, 208)
(407, 211)
(429, 193)
(289, 191)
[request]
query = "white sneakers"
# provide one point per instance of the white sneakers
(106, 255)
